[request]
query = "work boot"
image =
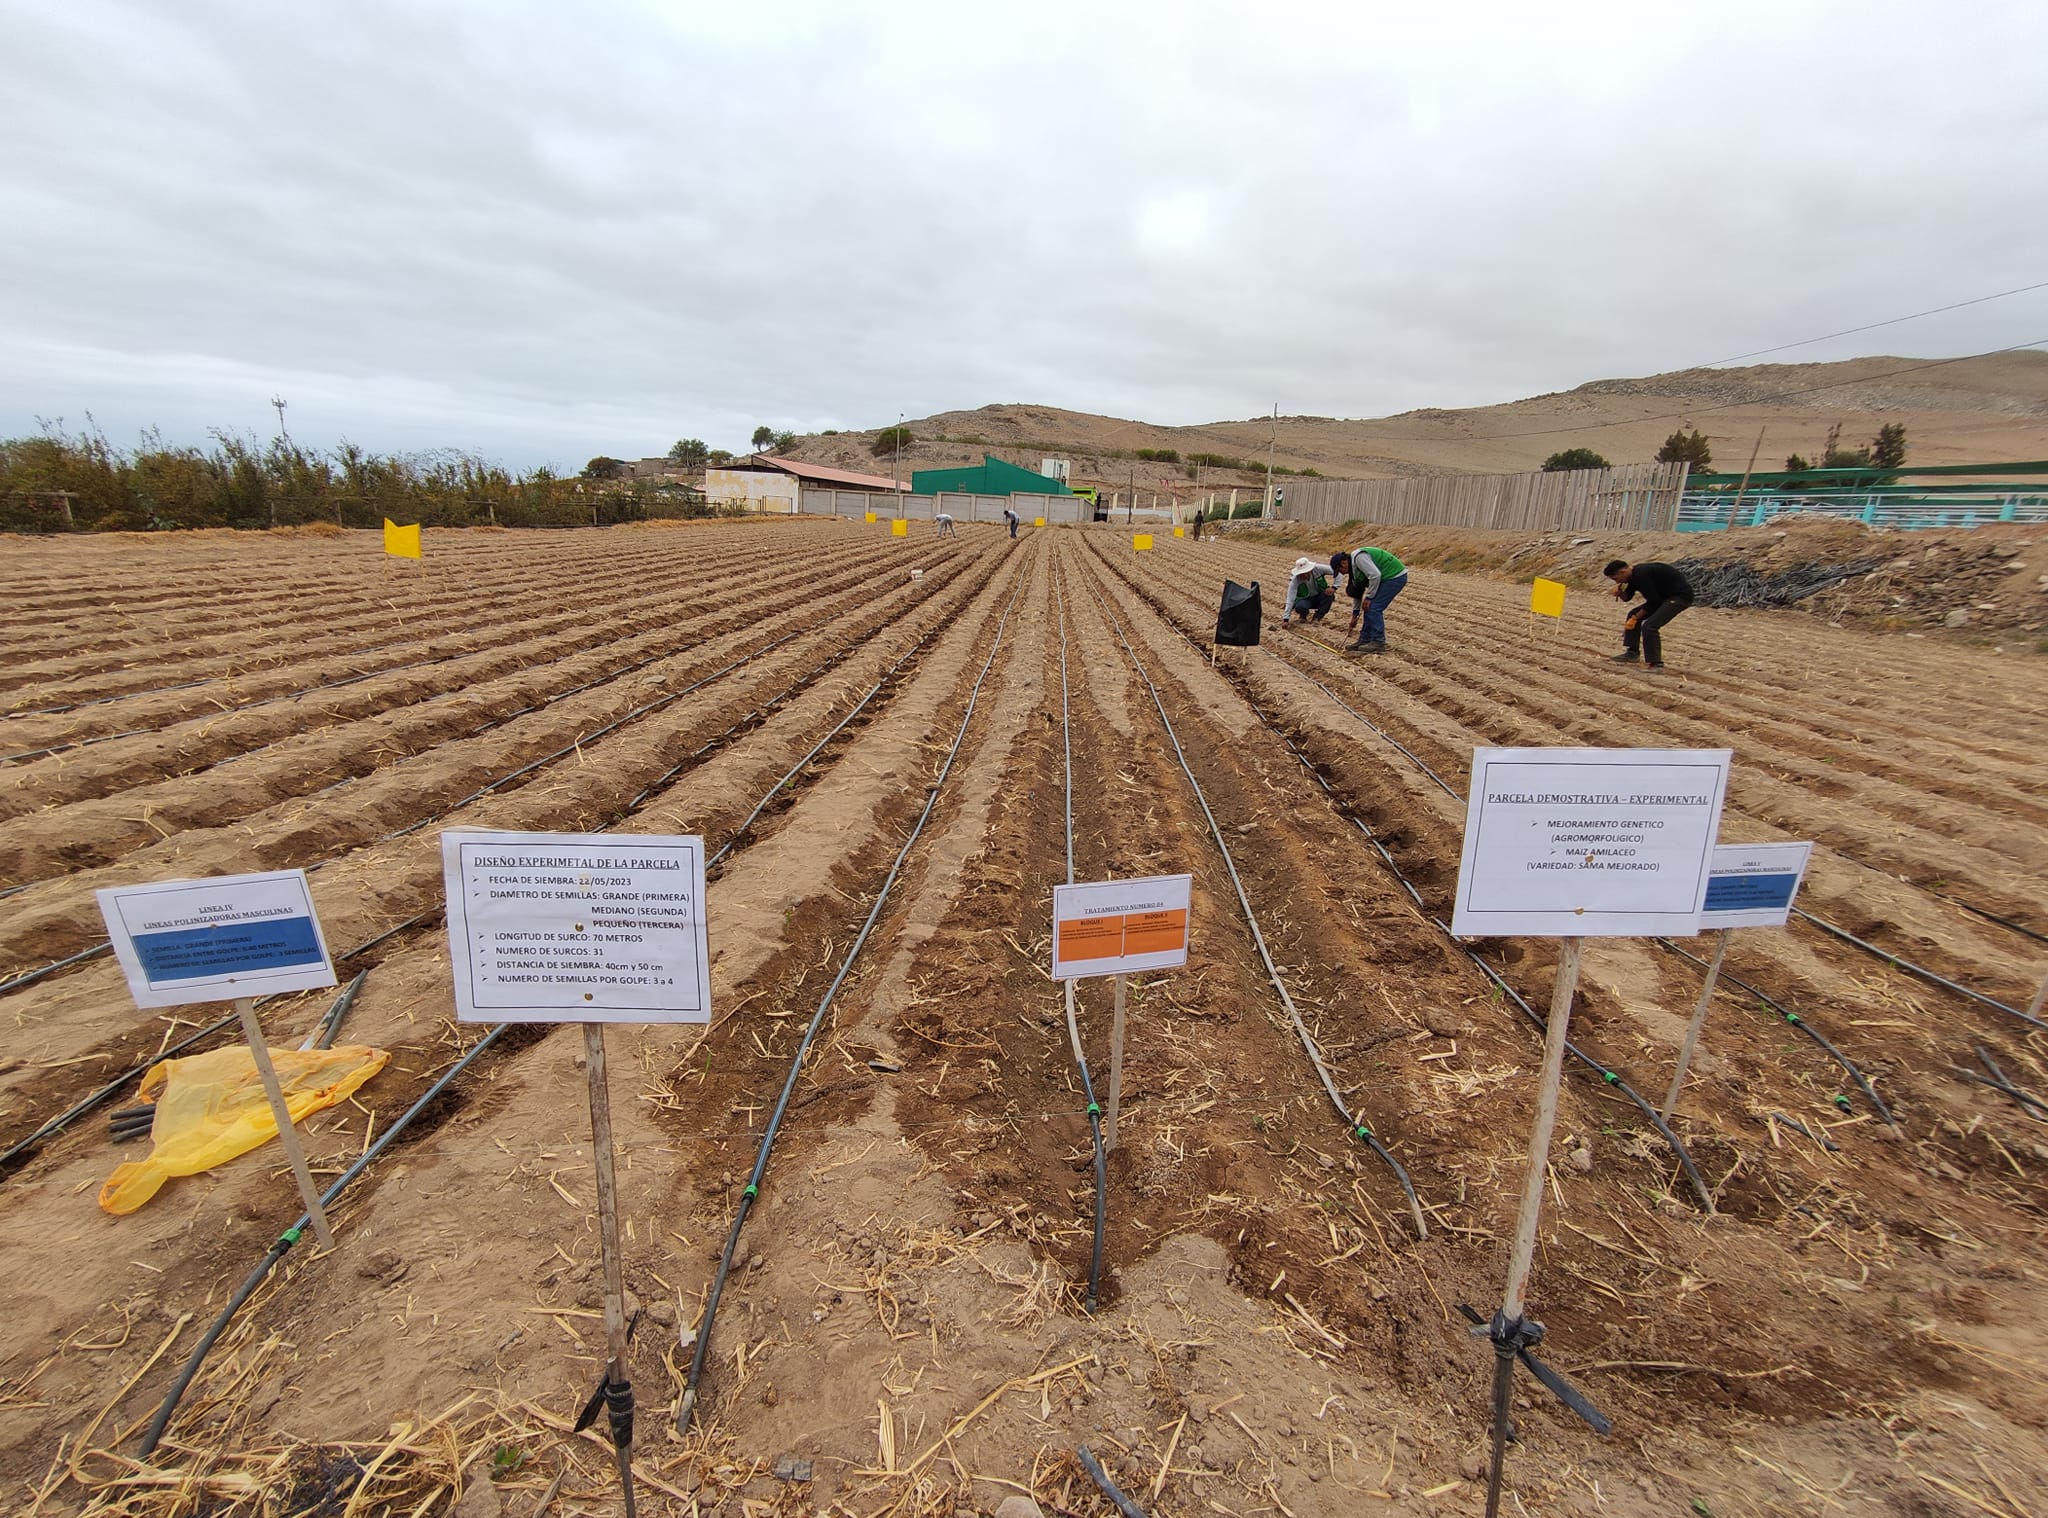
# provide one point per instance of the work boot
(1628, 656)
(1363, 647)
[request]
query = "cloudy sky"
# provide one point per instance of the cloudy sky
(548, 230)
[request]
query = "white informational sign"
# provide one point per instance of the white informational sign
(1751, 885)
(1588, 842)
(577, 927)
(230, 936)
(1119, 927)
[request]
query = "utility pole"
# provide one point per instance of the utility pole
(896, 464)
(286, 438)
(1272, 442)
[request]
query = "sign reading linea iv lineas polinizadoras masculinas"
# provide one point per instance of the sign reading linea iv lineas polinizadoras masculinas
(1587, 843)
(217, 939)
(577, 927)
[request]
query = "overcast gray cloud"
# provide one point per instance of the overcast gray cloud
(546, 231)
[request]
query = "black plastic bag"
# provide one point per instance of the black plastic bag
(1237, 620)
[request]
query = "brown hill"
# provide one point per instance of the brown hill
(1966, 411)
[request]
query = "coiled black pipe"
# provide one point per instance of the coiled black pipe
(796, 1065)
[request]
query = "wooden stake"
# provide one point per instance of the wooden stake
(1116, 1067)
(286, 1134)
(608, 1231)
(1524, 1249)
(1699, 1022)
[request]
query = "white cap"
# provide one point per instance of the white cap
(1303, 566)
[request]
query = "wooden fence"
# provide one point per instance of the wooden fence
(1637, 497)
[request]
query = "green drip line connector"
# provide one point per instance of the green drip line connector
(1362, 1131)
(1792, 1018)
(1093, 1110)
(1610, 1077)
(1841, 1101)
(752, 1190)
(290, 1236)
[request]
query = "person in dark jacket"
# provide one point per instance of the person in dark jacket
(1010, 517)
(1665, 591)
(1200, 518)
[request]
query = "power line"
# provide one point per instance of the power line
(1872, 326)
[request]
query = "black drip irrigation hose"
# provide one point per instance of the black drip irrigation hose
(796, 1065)
(1100, 1477)
(290, 1236)
(29, 977)
(1607, 1076)
(2004, 922)
(22, 1147)
(1073, 1023)
(1920, 972)
(1354, 1120)
(817, 748)
(1796, 1020)
(290, 695)
(419, 919)
(1413, 758)
(73, 706)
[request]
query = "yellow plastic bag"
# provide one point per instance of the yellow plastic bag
(211, 1107)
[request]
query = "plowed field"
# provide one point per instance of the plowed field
(1822, 1290)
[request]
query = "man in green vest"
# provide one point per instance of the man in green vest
(1372, 578)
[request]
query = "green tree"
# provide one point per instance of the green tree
(718, 456)
(603, 468)
(1689, 448)
(763, 436)
(889, 439)
(1574, 458)
(689, 453)
(784, 441)
(1888, 448)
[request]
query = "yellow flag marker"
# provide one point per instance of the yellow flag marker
(871, 516)
(1141, 540)
(900, 528)
(1180, 532)
(401, 542)
(1546, 598)
(1038, 521)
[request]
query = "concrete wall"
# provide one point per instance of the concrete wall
(755, 489)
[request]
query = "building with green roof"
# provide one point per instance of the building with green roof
(992, 476)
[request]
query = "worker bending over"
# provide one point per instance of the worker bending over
(1373, 577)
(944, 521)
(1665, 591)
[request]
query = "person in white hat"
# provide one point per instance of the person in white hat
(1309, 595)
